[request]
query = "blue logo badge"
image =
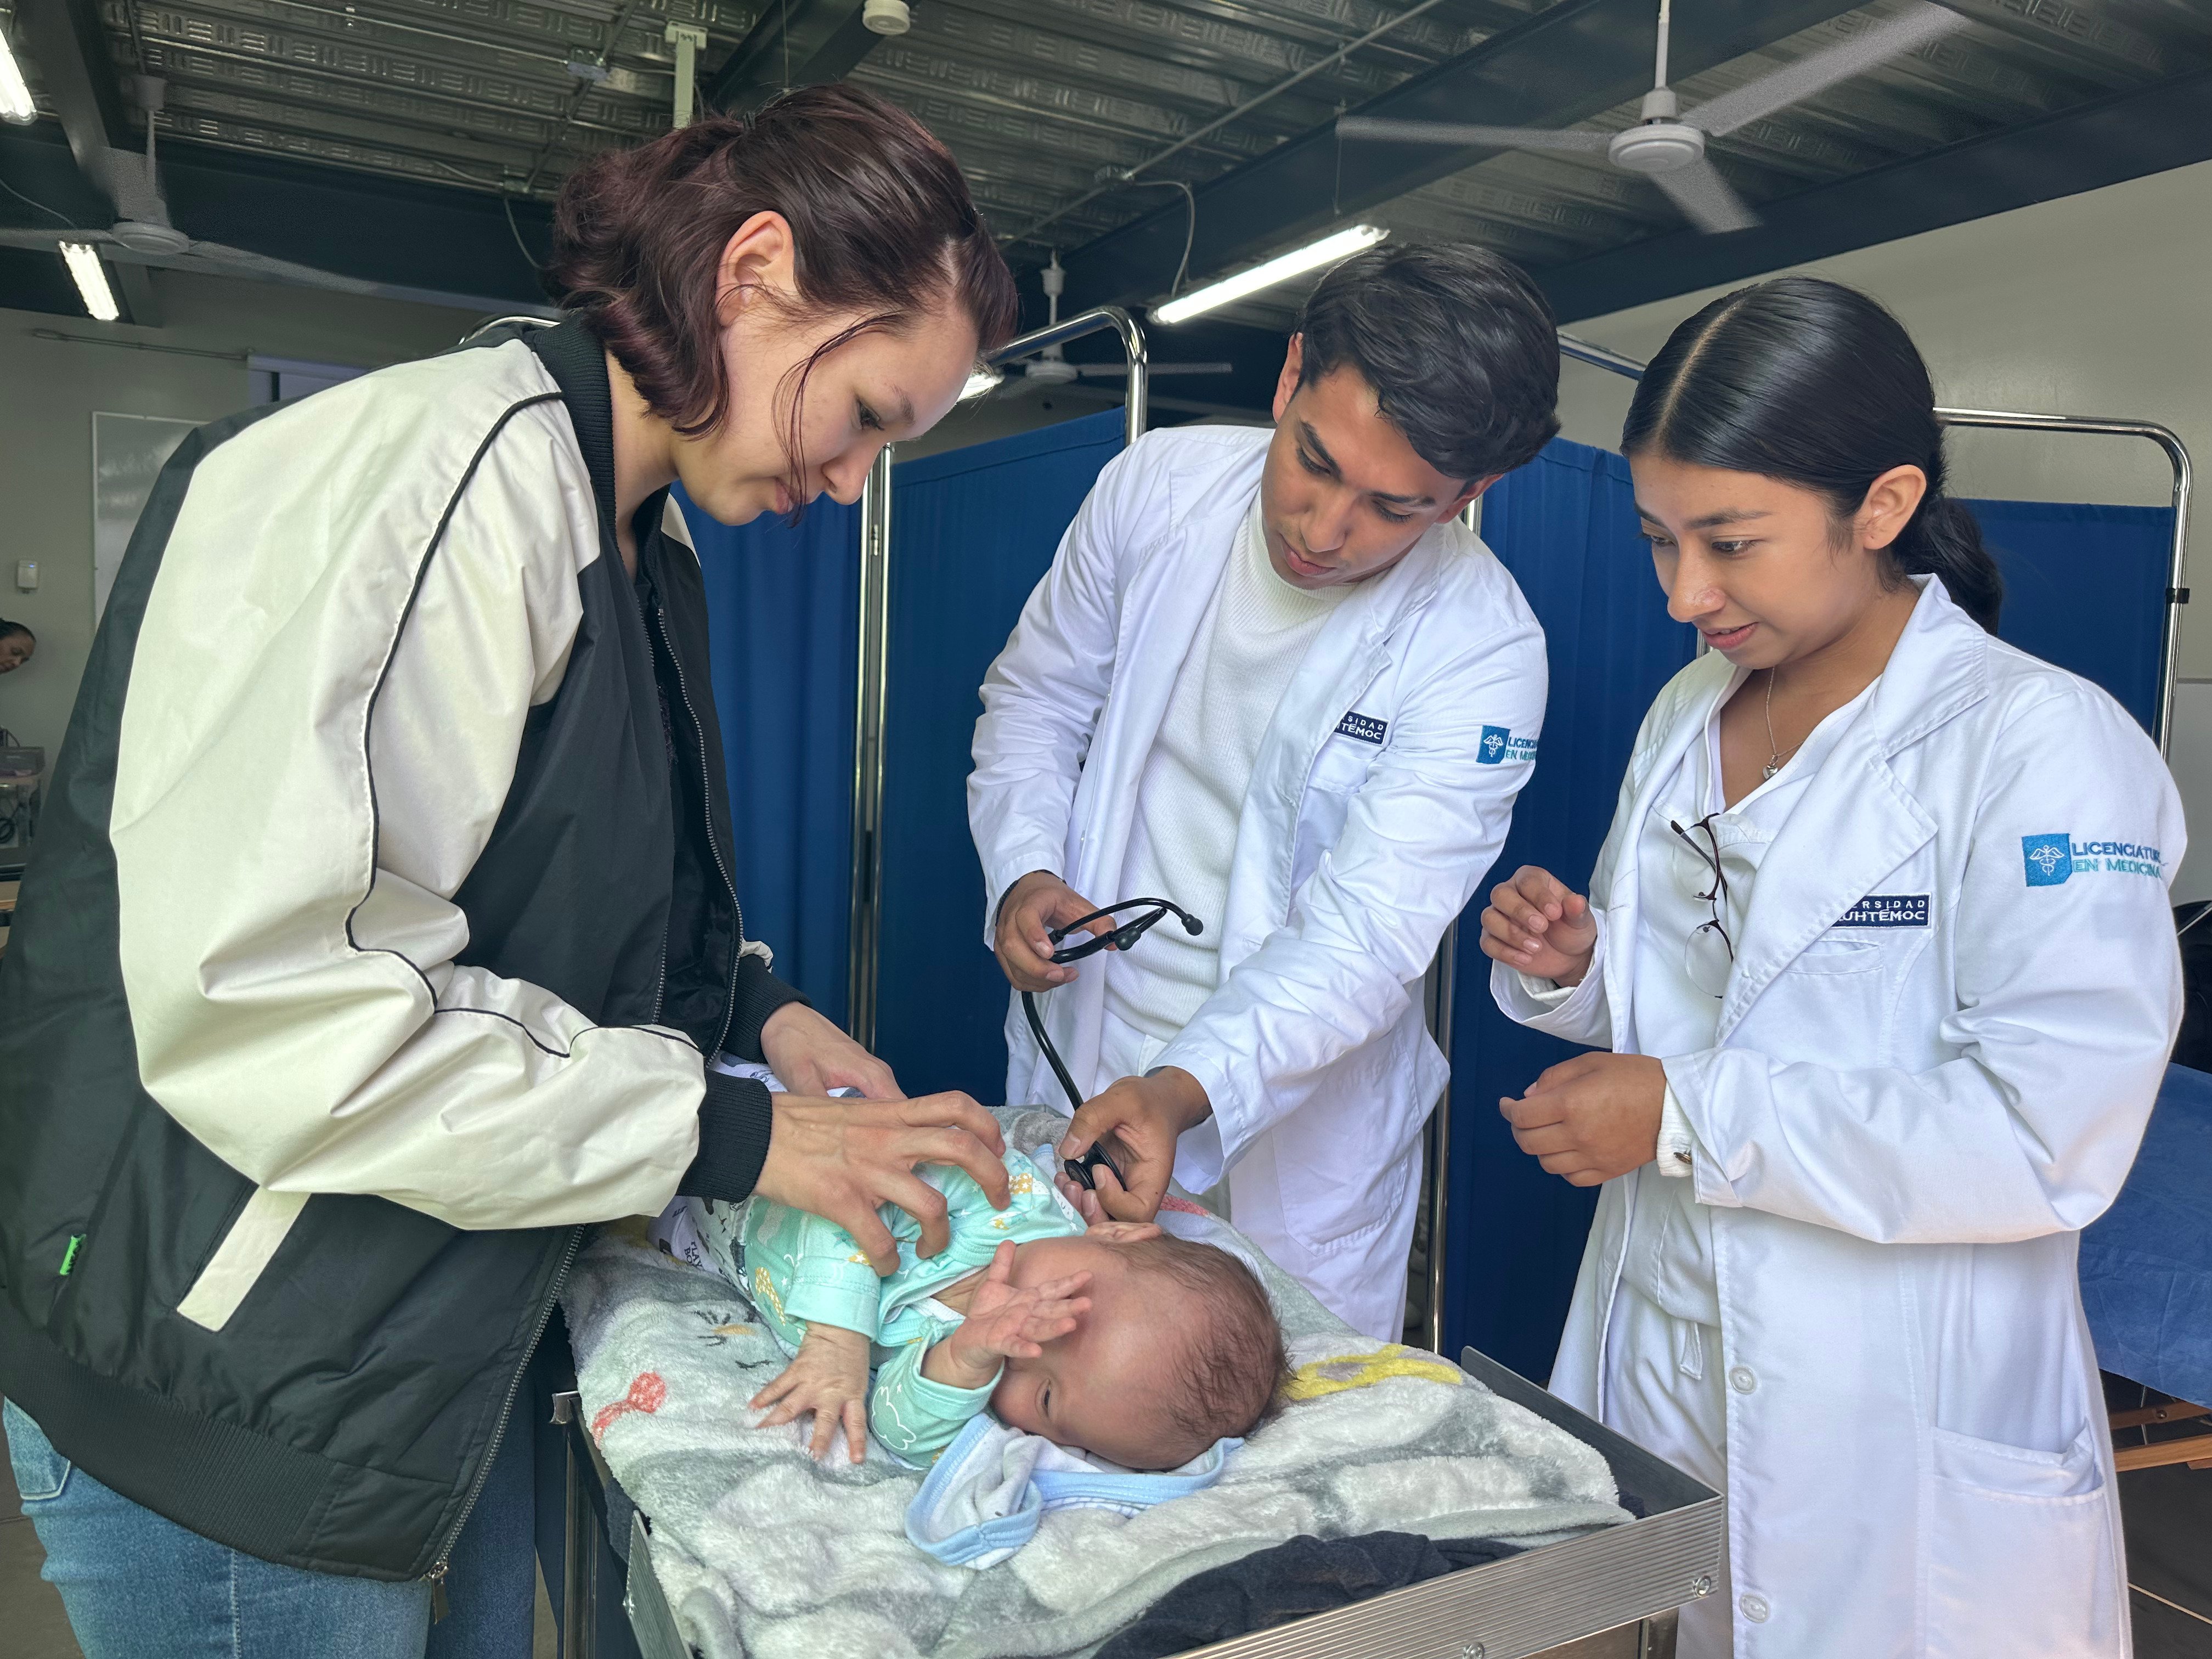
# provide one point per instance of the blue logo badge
(1366, 728)
(2050, 859)
(1498, 744)
(1887, 910)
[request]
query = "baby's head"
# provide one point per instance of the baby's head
(1179, 1349)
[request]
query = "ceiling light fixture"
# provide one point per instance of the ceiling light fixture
(15, 103)
(91, 281)
(1281, 269)
(984, 379)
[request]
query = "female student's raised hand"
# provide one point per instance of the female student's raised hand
(1536, 923)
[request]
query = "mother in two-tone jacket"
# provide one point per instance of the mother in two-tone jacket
(382, 930)
(1880, 942)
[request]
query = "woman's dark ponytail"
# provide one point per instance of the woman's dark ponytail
(1813, 383)
(1944, 540)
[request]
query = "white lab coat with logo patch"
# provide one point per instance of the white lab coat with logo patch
(1374, 807)
(1901, 1128)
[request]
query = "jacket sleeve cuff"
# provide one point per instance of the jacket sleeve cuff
(735, 1121)
(1546, 1006)
(1692, 1081)
(1678, 1142)
(758, 993)
(1004, 882)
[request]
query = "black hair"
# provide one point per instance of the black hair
(1815, 384)
(1458, 343)
(8, 628)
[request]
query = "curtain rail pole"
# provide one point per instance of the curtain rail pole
(870, 710)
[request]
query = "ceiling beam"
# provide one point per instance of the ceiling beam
(65, 41)
(2165, 125)
(803, 43)
(424, 242)
(1568, 63)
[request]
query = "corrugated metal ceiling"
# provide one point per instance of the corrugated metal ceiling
(1037, 97)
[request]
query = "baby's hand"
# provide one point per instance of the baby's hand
(1004, 1322)
(828, 1377)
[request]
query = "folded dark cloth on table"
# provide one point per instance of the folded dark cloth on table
(1307, 1575)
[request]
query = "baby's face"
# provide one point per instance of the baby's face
(1097, 1388)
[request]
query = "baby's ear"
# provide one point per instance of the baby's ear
(1123, 1232)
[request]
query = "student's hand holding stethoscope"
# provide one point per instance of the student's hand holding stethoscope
(1596, 1117)
(1119, 1147)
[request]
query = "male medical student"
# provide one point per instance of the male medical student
(1270, 678)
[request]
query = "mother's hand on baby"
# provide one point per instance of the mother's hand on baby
(1139, 1119)
(840, 1159)
(812, 1056)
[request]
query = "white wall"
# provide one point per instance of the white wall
(2096, 304)
(50, 388)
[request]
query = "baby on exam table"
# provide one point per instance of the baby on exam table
(1114, 1339)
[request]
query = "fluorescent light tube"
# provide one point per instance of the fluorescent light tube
(1281, 269)
(91, 281)
(986, 379)
(14, 97)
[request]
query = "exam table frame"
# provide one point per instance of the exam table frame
(1612, 1594)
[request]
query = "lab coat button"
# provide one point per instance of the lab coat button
(1742, 1379)
(1755, 1609)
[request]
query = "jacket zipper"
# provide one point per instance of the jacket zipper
(436, 1577)
(729, 886)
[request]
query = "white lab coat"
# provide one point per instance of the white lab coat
(1901, 1130)
(1379, 796)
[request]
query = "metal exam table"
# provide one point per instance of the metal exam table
(1607, 1594)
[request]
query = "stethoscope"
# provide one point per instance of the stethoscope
(1119, 938)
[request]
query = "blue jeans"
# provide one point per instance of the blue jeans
(137, 1585)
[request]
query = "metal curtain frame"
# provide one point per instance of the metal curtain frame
(864, 929)
(2177, 455)
(1440, 993)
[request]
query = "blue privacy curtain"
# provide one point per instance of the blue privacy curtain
(2085, 587)
(972, 530)
(1565, 526)
(783, 615)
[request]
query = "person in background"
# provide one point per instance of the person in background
(1270, 676)
(1880, 947)
(384, 936)
(17, 646)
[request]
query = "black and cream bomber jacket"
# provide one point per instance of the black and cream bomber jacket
(380, 918)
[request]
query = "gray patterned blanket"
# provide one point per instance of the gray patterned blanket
(762, 1553)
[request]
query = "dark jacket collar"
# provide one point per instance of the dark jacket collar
(577, 361)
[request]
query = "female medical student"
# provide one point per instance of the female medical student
(384, 928)
(1880, 944)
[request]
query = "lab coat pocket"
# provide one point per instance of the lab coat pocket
(2020, 1558)
(1339, 771)
(1838, 956)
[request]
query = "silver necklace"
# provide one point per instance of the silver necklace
(1775, 758)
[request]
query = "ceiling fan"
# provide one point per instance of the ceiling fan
(143, 233)
(1050, 369)
(1668, 146)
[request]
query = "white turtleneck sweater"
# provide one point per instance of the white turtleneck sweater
(1255, 632)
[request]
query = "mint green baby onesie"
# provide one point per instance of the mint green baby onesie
(797, 1268)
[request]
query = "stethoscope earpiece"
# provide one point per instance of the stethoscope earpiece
(1120, 938)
